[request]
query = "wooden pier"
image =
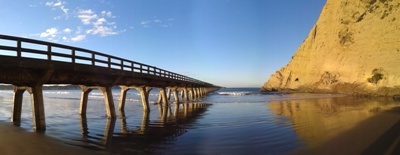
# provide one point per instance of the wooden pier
(28, 64)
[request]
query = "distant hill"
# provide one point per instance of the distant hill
(354, 48)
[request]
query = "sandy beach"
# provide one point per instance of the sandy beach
(376, 135)
(16, 141)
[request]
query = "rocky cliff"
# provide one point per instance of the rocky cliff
(353, 48)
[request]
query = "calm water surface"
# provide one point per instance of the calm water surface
(235, 121)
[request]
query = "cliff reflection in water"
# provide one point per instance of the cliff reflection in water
(147, 137)
(318, 120)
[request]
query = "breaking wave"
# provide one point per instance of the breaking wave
(234, 93)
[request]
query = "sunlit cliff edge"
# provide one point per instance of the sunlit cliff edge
(354, 48)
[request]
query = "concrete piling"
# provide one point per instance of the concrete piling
(108, 101)
(84, 99)
(17, 106)
(144, 93)
(121, 105)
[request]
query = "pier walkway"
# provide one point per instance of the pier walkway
(28, 64)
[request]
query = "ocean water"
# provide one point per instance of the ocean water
(227, 121)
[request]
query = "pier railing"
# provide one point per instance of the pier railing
(35, 49)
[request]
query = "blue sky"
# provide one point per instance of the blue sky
(231, 43)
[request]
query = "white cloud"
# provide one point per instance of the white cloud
(57, 4)
(157, 21)
(78, 38)
(91, 23)
(49, 3)
(51, 32)
(100, 25)
(67, 30)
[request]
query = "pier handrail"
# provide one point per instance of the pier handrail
(87, 57)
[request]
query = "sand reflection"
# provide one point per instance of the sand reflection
(319, 121)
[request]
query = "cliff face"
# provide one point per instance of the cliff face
(353, 48)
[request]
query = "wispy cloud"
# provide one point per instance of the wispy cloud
(145, 24)
(102, 30)
(107, 14)
(157, 22)
(78, 38)
(86, 16)
(58, 5)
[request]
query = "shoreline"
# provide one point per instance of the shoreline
(16, 141)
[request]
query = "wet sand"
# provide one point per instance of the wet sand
(17, 141)
(379, 134)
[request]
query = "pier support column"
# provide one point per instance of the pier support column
(109, 101)
(168, 94)
(36, 93)
(192, 96)
(182, 94)
(159, 100)
(194, 93)
(122, 98)
(39, 123)
(144, 93)
(84, 99)
(185, 91)
(176, 96)
(17, 106)
(198, 92)
(163, 96)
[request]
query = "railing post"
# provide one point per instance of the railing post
(122, 64)
(141, 68)
(93, 57)
(48, 52)
(73, 56)
(109, 62)
(19, 49)
(132, 67)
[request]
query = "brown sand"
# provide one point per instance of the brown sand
(16, 141)
(379, 134)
